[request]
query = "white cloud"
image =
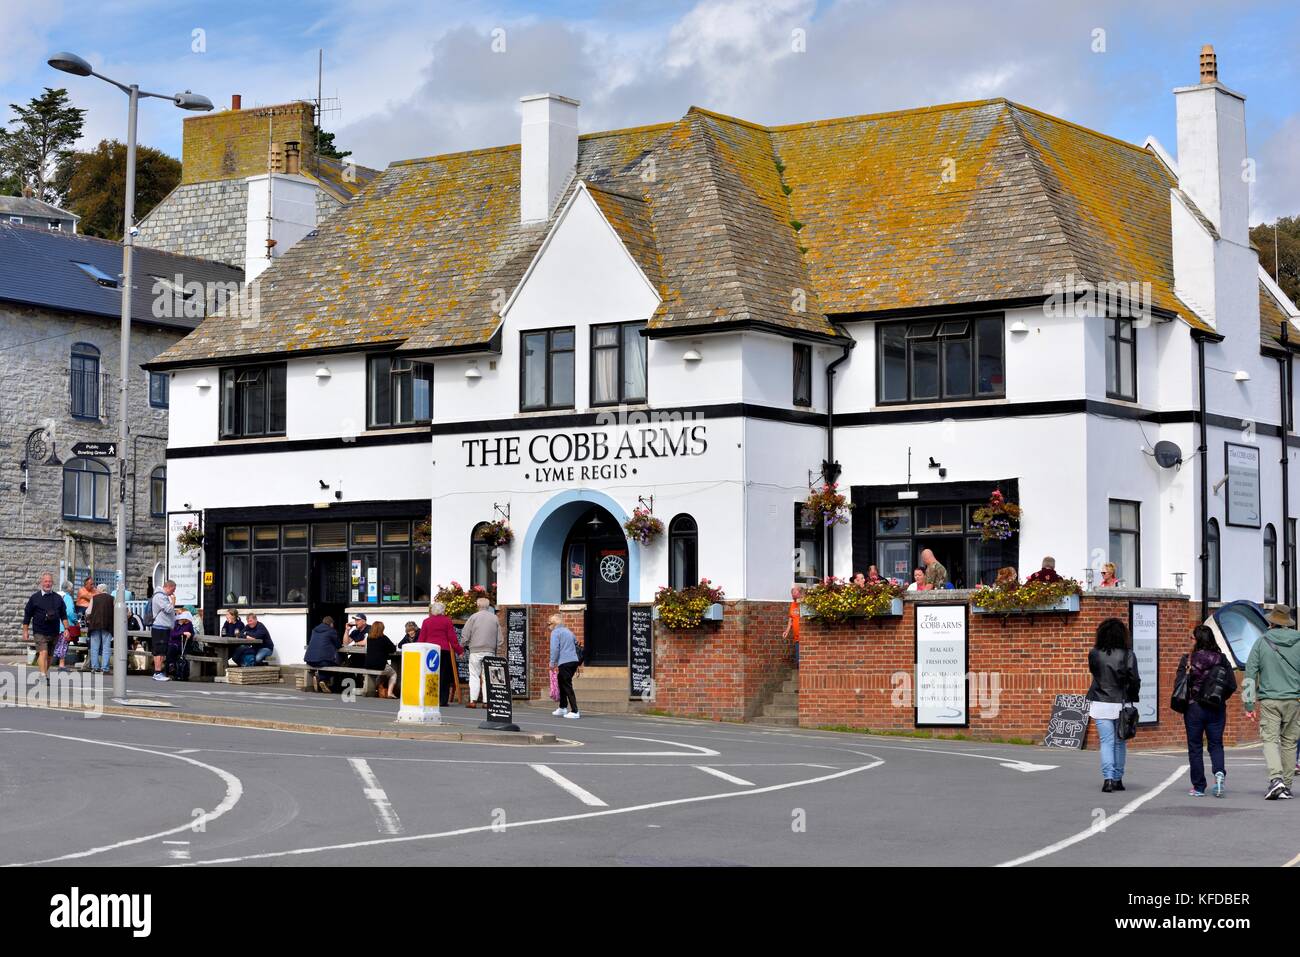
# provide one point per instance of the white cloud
(1277, 185)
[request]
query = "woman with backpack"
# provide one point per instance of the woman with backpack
(1115, 686)
(1209, 683)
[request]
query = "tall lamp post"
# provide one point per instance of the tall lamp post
(71, 63)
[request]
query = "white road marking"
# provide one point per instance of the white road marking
(234, 791)
(693, 750)
(583, 795)
(1014, 764)
(385, 816)
(1026, 766)
(181, 853)
(1102, 825)
(509, 825)
(725, 776)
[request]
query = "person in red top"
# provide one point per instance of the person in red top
(1046, 574)
(792, 626)
(438, 630)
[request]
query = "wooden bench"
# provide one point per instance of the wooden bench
(369, 677)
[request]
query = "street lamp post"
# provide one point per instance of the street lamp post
(71, 63)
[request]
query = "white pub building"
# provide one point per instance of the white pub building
(708, 316)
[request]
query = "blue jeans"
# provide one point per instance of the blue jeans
(263, 654)
(1208, 723)
(1112, 749)
(101, 649)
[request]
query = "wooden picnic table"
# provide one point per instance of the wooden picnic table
(223, 644)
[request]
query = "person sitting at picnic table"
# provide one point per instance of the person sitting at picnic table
(232, 627)
(356, 631)
(391, 679)
(438, 630)
(1046, 574)
(255, 654)
(379, 650)
(323, 651)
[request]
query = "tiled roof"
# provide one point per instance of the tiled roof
(789, 227)
(336, 177)
(1272, 317)
(30, 206)
(38, 267)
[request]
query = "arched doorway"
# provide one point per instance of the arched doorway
(594, 571)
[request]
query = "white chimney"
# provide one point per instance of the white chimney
(1212, 150)
(548, 153)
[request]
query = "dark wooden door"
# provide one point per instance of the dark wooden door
(604, 586)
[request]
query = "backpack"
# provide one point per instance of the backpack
(147, 618)
(1217, 686)
(178, 666)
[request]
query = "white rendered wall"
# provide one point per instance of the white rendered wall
(290, 202)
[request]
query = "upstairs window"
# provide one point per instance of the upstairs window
(252, 401)
(1214, 581)
(1121, 359)
(158, 492)
(546, 370)
(802, 374)
(618, 364)
(400, 392)
(1270, 564)
(83, 381)
(85, 490)
(940, 360)
(159, 390)
(683, 552)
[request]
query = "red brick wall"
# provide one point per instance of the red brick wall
(722, 671)
(539, 642)
(846, 672)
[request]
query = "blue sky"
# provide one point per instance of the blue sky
(416, 78)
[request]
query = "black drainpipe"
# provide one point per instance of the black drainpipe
(1204, 452)
(831, 468)
(1284, 388)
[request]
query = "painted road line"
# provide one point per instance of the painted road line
(181, 853)
(1102, 825)
(1293, 862)
(234, 791)
(385, 816)
(691, 750)
(725, 776)
(540, 822)
(583, 795)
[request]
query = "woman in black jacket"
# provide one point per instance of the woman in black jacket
(1115, 683)
(1209, 685)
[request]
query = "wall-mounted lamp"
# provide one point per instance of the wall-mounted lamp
(692, 355)
(1241, 375)
(1019, 326)
(203, 384)
(322, 372)
(471, 371)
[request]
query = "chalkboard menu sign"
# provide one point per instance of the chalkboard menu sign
(640, 652)
(517, 651)
(1069, 722)
(462, 659)
(499, 706)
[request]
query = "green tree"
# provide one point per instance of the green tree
(40, 139)
(327, 147)
(95, 185)
(1286, 265)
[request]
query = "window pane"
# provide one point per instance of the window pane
(397, 533)
(1112, 370)
(294, 536)
(266, 537)
(562, 339)
(276, 400)
(369, 573)
(266, 579)
(956, 368)
(893, 363)
(921, 330)
(562, 378)
(893, 521)
(294, 579)
(938, 519)
(634, 363)
(575, 568)
(991, 380)
(332, 535)
(365, 533)
(1127, 385)
(69, 492)
(254, 399)
(393, 580)
(228, 403)
(101, 483)
(983, 561)
(422, 392)
(380, 392)
(85, 496)
(480, 564)
(802, 375)
(925, 369)
(893, 559)
(535, 370)
(235, 581)
(605, 336)
(421, 578)
(955, 327)
(604, 375)
(403, 398)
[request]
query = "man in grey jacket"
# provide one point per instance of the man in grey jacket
(481, 637)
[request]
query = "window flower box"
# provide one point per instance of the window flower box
(1031, 598)
(837, 600)
(689, 607)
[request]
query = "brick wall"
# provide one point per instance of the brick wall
(233, 144)
(722, 671)
(847, 671)
(539, 642)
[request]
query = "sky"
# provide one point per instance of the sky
(419, 78)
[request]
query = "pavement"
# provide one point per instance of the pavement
(130, 789)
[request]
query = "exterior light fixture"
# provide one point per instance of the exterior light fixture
(471, 371)
(692, 355)
(1242, 375)
(203, 384)
(322, 371)
(1019, 326)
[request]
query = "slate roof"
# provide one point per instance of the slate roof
(38, 268)
(336, 177)
(30, 206)
(792, 228)
(1273, 315)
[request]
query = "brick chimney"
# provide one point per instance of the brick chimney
(548, 153)
(1212, 150)
(232, 144)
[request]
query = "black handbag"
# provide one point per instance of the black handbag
(1182, 695)
(1127, 724)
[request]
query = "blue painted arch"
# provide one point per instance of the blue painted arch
(540, 567)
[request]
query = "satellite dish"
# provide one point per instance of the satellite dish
(1168, 454)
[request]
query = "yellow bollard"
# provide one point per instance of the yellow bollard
(420, 663)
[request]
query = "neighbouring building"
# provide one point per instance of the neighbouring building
(29, 211)
(252, 185)
(711, 317)
(60, 309)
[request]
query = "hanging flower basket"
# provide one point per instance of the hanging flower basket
(189, 540)
(498, 533)
(461, 602)
(688, 607)
(835, 599)
(1010, 599)
(643, 528)
(999, 519)
(829, 504)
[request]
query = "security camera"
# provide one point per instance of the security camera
(135, 230)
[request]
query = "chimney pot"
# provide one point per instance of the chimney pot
(292, 157)
(236, 101)
(1209, 65)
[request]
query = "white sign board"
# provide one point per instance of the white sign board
(1144, 621)
(1241, 462)
(941, 655)
(184, 570)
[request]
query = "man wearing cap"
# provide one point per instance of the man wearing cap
(1272, 684)
(358, 631)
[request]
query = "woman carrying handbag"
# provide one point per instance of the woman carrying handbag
(1202, 687)
(1115, 686)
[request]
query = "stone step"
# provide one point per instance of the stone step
(776, 722)
(600, 684)
(780, 711)
(785, 699)
(791, 686)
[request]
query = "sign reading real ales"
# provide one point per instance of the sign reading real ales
(941, 689)
(517, 651)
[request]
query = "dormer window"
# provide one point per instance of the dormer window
(618, 364)
(546, 376)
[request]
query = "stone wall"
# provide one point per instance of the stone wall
(36, 345)
(200, 219)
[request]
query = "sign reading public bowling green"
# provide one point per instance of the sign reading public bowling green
(586, 456)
